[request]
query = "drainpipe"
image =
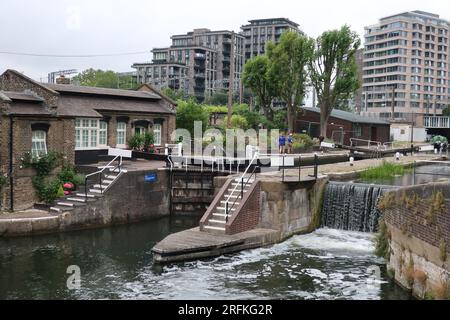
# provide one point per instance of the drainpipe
(11, 180)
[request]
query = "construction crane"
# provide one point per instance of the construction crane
(52, 75)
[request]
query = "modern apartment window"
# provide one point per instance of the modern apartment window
(103, 134)
(157, 134)
(86, 133)
(38, 143)
(121, 134)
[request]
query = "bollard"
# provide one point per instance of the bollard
(397, 156)
(351, 161)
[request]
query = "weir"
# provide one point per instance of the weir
(352, 206)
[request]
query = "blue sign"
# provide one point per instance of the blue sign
(151, 177)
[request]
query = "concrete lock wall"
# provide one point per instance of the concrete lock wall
(418, 236)
(291, 208)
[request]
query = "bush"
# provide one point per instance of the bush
(385, 171)
(47, 190)
(43, 164)
(237, 122)
(302, 141)
(3, 180)
(148, 141)
(69, 174)
(188, 112)
(136, 142)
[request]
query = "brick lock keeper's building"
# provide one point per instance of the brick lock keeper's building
(342, 126)
(80, 122)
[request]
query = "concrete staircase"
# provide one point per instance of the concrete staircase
(95, 191)
(217, 221)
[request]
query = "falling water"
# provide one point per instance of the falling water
(351, 206)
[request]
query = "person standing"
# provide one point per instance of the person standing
(290, 142)
(282, 142)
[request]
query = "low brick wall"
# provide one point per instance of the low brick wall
(248, 212)
(418, 224)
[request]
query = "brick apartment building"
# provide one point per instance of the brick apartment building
(80, 122)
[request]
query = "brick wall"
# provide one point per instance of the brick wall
(414, 219)
(247, 215)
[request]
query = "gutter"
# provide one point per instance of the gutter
(11, 179)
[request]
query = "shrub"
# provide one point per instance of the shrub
(3, 180)
(302, 141)
(382, 248)
(47, 190)
(148, 140)
(69, 174)
(385, 171)
(237, 122)
(136, 142)
(43, 164)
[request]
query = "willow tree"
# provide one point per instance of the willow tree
(334, 71)
(289, 60)
(257, 78)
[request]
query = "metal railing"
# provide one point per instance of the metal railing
(436, 122)
(241, 179)
(100, 174)
(370, 143)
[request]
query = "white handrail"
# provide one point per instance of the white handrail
(241, 179)
(107, 166)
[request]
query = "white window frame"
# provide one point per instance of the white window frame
(38, 140)
(124, 130)
(104, 131)
(157, 130)
(87, 134)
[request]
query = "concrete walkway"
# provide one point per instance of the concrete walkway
(194, 244)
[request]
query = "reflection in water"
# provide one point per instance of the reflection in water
(116, 263)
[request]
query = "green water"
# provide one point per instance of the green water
(116, 263)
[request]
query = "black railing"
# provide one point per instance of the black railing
(315, 165)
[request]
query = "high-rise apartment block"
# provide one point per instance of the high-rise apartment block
(406, 67)
(197, 63)
(258, 32)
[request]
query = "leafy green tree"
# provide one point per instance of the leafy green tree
(253, 118)
(104, 79)
(188, 112)
(289, 60)
(217, 99)
(237, 122)
(256, 76)
(446, 111)
(334, 70)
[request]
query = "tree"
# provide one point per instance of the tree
(174, 94)
(288, 70)
(104, 79)
(217, 99)
(256, 76)
(188, 112)
(446, 111)
(334, 70)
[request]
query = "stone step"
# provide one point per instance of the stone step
(217, 221)
(95, 191)
(84, 195)
(97, 186)
(230, 203)
(77, 199)
(108, 181)
(118, 171)
(234, 196)
(107, 167)
(220, 215)
(223, 208)
(65, 204)
(214, 228)
(238, 180)
(111, 177)
(55, 209)
(60, 209)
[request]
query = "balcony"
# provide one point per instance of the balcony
(436, 122)
(200, 75)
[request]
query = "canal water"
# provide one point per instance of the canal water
(116, 263)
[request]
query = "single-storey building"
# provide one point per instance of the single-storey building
(342, 126)
(80, 122)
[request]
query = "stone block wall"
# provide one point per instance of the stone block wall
(418, 233)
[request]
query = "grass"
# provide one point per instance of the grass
(385, 171)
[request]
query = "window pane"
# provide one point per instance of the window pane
(38, 143)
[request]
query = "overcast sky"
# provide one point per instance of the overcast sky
(83, 27)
